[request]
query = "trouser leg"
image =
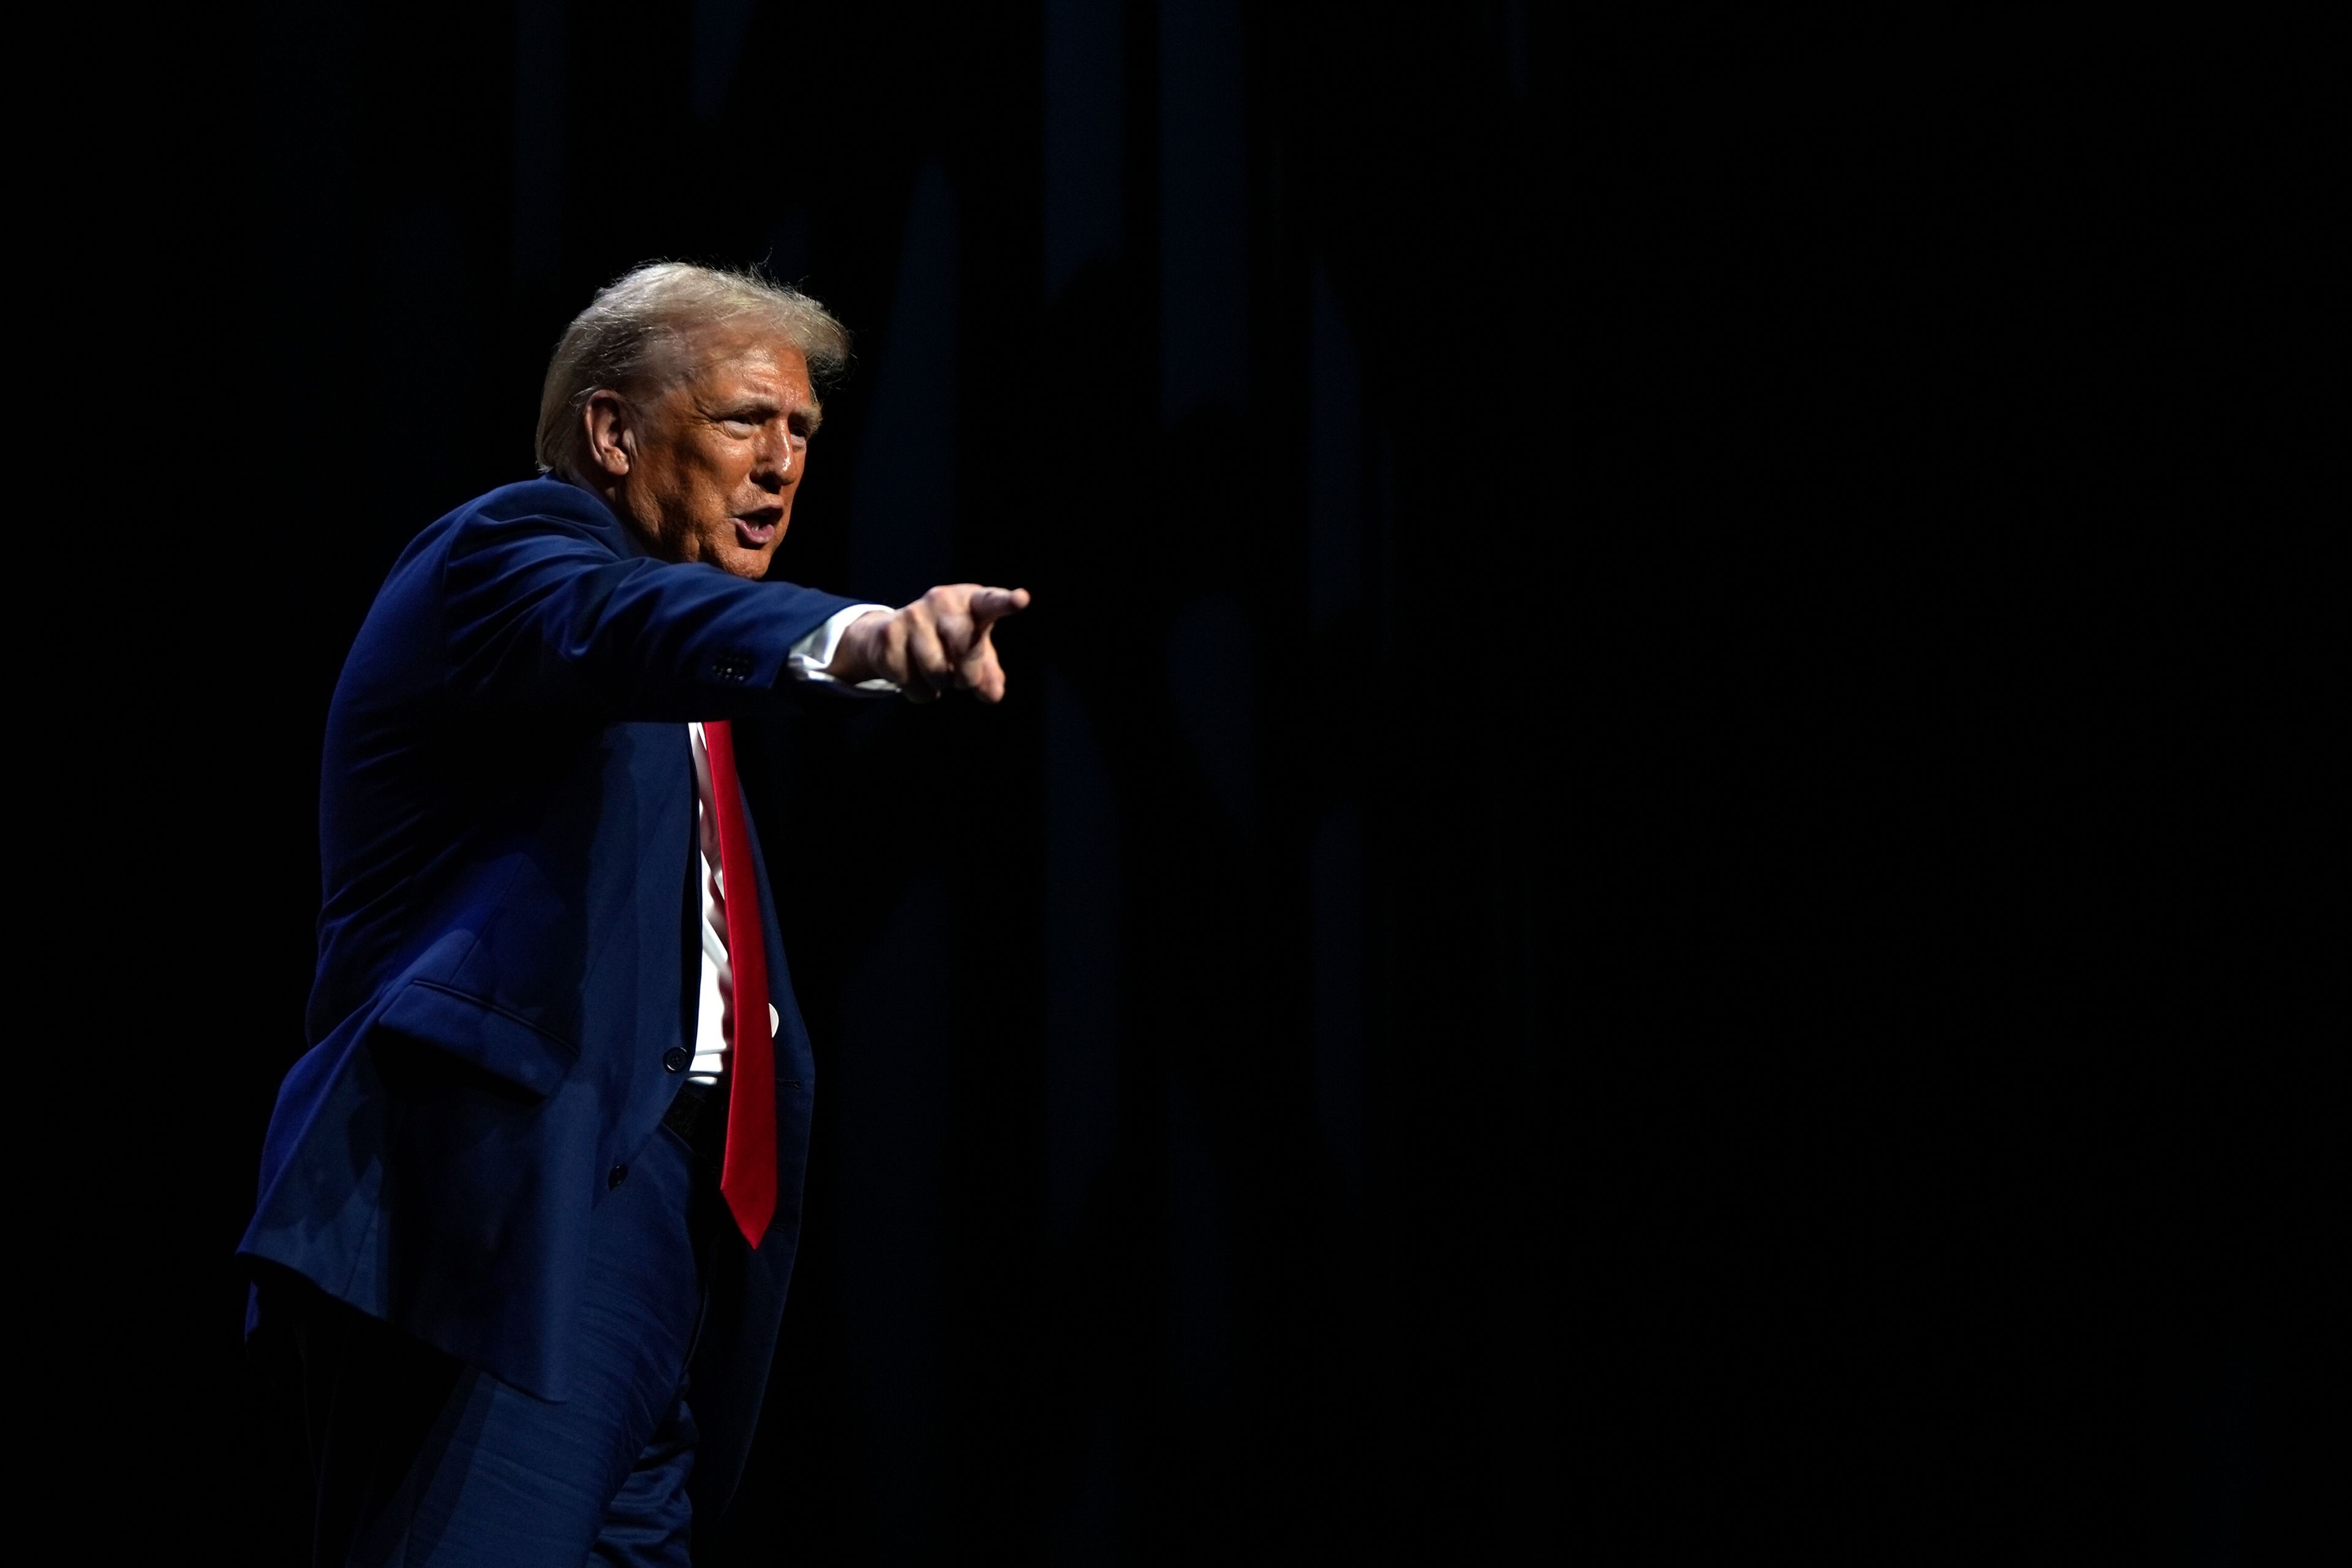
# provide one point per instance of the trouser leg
(420, 1459)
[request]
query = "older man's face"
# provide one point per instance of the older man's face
(720, 453)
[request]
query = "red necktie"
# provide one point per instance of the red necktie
(747, 1179)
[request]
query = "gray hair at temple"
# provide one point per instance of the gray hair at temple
(633, 336)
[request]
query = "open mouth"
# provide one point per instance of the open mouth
(758, 530)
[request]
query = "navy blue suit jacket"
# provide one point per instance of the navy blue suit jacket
(506, 944)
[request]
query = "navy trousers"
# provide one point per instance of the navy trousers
(417, 1458)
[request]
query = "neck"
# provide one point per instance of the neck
(614, 494)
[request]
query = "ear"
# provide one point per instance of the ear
(612, 428)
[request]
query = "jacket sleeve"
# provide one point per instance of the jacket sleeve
(541, 610)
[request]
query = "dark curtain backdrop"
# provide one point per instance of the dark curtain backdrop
(1624, 909)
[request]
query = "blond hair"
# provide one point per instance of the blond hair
(630, 337)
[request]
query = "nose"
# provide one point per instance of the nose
(772, 463)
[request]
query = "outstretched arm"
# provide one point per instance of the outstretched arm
(544, 609)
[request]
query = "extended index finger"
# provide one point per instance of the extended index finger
(995, 603)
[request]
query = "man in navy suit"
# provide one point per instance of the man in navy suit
(529, 1204)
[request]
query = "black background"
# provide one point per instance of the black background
(1635, 900)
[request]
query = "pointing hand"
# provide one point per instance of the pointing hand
(939, 643)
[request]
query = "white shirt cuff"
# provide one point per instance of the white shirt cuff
(807, 657)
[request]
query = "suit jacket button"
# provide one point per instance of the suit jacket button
(620, 1174)
(675, 1058)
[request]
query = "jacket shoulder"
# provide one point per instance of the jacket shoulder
(554, 506)
(546, 507)
(539, 498)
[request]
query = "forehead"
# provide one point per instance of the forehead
(749, 359)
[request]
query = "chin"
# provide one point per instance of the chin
(742, 563)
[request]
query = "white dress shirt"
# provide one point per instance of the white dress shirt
(713, 1030)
